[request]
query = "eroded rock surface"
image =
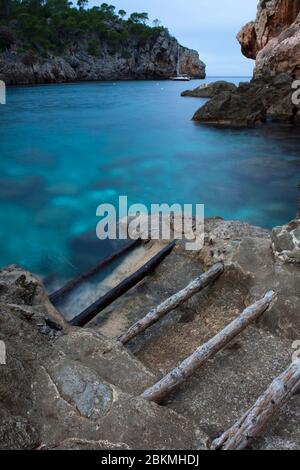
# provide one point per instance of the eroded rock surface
(209, 90)
(221, 392)
(61, 393)
(273, 40)
(286, 242)
(79, 389)
(157, 58)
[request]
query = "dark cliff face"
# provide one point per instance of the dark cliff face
(154, 59)
(273, 39)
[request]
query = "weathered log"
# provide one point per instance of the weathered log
(173, 302)
(88, 314)
(176, 377)
(250, 426)
(69, 286)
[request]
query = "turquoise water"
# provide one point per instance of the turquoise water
(67, 148)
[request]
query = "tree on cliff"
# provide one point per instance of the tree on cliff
(122, 13)
(139, 18)
(82, 4)
(52, 26)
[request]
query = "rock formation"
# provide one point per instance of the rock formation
(155, 59)
(273, 40)
(73, 389)
(252, 103)
(77, 388)
(209, 90)
(286, 242)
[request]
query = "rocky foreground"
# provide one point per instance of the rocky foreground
(154, 59)
(77, 388)
(273, 40)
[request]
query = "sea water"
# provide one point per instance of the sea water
(65, 149)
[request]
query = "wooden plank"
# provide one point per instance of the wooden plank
(180, 374)
(251, 425)
(57, 296)
(173, 302)
(88, 314)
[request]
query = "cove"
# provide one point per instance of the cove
(65, 149)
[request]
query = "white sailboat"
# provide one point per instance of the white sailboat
(179, 77)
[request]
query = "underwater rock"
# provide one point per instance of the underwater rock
(12, 189)
(87, 249)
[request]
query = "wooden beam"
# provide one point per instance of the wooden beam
(57, 296)
(88, 314)
(176, 377)
(173, 302)
(251, 425)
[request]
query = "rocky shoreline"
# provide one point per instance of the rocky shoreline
(77, 388)
(273, 40)
(156, 59)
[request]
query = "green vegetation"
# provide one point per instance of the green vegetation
(48, 27)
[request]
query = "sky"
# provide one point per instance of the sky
(209, 26)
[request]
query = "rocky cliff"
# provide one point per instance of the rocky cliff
(154, 59)
(273, 40)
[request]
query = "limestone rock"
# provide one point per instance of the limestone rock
(81, 390)
(111, 360)
(219, 393)
(23, 293)
(209, 90)
(273, 40)
(53, 394)
(231, 109)
(156, 59)
(286, 242)
(259, 101)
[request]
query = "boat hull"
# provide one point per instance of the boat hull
(180, 79)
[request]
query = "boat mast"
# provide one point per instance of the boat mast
(178, 61)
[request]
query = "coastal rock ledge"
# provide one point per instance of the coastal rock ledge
(78, 388)
(273, 40)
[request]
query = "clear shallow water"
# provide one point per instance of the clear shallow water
(64, 149)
